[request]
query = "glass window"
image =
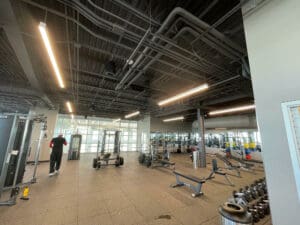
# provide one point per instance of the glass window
(92, 129)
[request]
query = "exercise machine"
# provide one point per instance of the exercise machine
(74, 149)
(14, 138)
(195, 188)
(217, 171)
(103, 155)
(157, 158)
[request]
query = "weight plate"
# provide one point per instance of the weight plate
(121, 161)
(94, 163)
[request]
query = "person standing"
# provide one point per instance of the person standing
(57, 150)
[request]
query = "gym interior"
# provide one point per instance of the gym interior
(141, 112)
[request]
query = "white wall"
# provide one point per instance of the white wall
(273, 42)
(51, 122)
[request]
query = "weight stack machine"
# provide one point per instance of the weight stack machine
(74, 149)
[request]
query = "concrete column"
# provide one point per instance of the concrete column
(143, 134)
(201, 143)
(272, 36)
(51, 122)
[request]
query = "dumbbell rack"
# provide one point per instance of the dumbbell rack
(254, 199)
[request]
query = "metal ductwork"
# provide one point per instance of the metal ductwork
(229, 122)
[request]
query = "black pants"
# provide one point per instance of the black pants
(55, 160)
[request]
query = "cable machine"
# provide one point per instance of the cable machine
(104, 151)
(15, 134)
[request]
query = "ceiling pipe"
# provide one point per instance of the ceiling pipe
(180, 33)
(130, 58)
(136, 12)
(209, 7)
(96, 20)
(82, 26)
(193, 19)
(115, 16)
(179, 58)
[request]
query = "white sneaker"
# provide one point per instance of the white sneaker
(51, 174)
(56, 172)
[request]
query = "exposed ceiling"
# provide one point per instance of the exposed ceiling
(174, 46)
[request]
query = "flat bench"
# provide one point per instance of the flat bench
(195, 188)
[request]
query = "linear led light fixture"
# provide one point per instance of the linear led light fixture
(43, 31)
(174, 119)
(230, 110)
(117, 120)
(184, 94)
(69, 107)
(132, 114)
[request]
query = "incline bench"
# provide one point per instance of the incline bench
(195, 188)
(218, 171)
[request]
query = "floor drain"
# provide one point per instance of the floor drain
(167, 217)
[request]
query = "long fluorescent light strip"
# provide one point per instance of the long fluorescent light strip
(236, 109)
(43, 31)
(116, 120)
(184, 94)
(174, 119)
(69, 107)
(132, 114)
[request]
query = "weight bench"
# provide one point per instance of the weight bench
(230, 166)
(218, 171)
(195, 188)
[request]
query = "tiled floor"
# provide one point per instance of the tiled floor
(133, 194)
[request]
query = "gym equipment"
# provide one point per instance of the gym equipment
(248, 167)
(232, 214)
(216, 170)
(254, 199)
(14, 138)
(145, 159)
(196, 189)
(229, 165)
(74, 149)
(156, 158)
(105, 161)
(103, 158)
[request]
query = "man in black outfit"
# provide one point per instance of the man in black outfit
(57, 150)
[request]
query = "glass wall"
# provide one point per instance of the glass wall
(92, 130)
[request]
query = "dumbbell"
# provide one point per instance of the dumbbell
(239, 198)
(254, 213)
(247, 193)
(265, 206)
(260, 210)
(254, 192)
